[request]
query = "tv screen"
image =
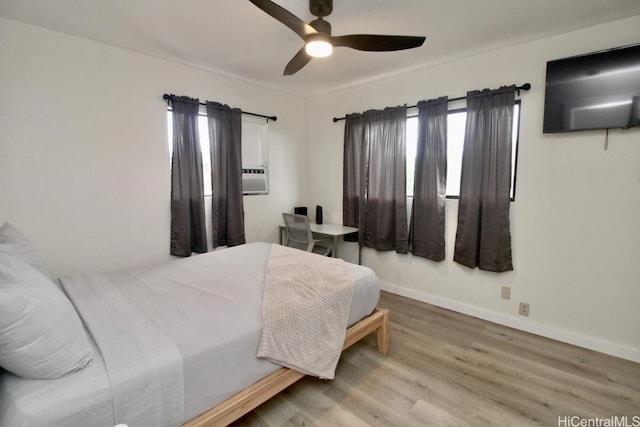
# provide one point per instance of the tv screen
(599, 90)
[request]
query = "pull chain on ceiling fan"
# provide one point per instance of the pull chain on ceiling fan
(318, 39)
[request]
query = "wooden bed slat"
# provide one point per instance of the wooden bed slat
(252, 397)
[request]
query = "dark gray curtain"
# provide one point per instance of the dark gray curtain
(375, 178)
(187, 195)
(483, 238)
(225, 126)
(354, 168)
(426, 232)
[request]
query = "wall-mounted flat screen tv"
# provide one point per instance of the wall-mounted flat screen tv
(599, 90)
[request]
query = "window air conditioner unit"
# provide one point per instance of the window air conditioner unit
(254, 180)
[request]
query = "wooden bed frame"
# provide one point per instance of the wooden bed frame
(252, 397)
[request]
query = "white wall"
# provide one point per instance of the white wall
(84, 168)
(575, 221)
(84, 173)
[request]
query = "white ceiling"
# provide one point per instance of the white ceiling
(235, 38)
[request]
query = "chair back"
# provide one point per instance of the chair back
(298, 231)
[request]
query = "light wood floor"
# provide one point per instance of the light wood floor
(449, 369)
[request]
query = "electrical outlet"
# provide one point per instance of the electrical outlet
(506, 292)
(524, 309)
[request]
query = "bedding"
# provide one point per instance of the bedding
(14, 243)
(304, 312)
(192, 346)
(41, 335)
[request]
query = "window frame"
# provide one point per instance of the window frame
(203, 128)
(515, 148)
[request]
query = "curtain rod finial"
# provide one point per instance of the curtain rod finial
(525, 86)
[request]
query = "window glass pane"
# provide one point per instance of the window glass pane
(456, 124)
(253, 143)
(203, 130)
(412, 143)
(514, 147)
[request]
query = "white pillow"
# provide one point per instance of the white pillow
(41, 334)
(14, 243)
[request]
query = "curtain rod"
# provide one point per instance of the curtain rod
(168, 96)
(525, 86)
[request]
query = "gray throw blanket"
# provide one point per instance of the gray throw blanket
(305, 311)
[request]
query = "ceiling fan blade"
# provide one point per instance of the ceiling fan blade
(377, 43)
(298, 26)
(300, 59)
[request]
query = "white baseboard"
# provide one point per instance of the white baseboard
(527, 325)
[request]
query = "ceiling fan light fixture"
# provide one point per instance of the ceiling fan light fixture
(318, 48)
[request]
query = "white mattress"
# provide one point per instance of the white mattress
(209, 305)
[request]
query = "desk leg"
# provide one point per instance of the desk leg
(334, 250)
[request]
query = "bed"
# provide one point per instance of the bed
(180, 347)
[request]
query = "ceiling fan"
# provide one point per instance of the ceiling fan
(318, 39)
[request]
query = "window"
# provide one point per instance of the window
(456, 123)
(254, 138)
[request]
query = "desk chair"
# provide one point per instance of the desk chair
(299, 235)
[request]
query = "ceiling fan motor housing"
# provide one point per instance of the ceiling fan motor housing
(321, 8)
(321, 26)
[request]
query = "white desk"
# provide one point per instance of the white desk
(334, 231)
